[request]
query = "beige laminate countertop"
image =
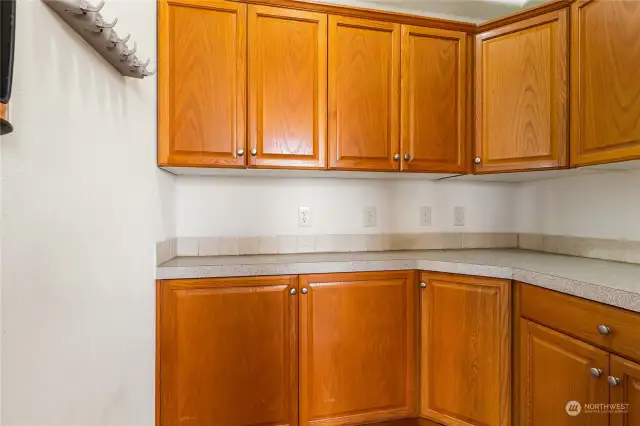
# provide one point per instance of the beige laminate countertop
(613, 283)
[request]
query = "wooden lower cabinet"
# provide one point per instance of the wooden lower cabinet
(555, 378)
(627, 392)
(227, 352)
(358, 347)
(465, 350)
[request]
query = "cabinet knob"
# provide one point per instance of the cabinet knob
(240, 152)
(407, 157)
(396, 156)
(423, 285)
(254, 152)
(595, 372)
(477, 160)
(293, 292)
(613, 381)
(603, 329)
(304, 290)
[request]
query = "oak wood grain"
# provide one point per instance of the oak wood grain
(228, 351)
(554, 369)
(4, 111)
(581, 318)
(465, 350)
(434, 84)
(373, 14)
(628, 392)
(358, 346)
(521, 95)
(605, 101)
(201, 83)
(413, 421)
(287, 88)
(523, 15)
(364, 85)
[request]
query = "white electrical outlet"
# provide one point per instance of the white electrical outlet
(458, 216)
(304, 217)
(425, 215)
(369, 216)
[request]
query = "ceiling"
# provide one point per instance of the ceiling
(466, 10)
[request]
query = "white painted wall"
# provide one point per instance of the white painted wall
(226, 206)
(597, 206)
(82, 207)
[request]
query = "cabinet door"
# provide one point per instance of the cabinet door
(605, 88)
(434, 100)
(364, 87)
(357, 347)
(521, 95)
(287, 88)
(228, 352)
(466, 350)
(626, 393)
(555, 379)
(202, 83)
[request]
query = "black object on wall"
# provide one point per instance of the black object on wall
(7, 42)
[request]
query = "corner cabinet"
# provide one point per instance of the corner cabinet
(605, 101)
(287, 88)
(228, 352)
(522, 95)
(358, 346)
(201, 83)
(465, 350)
(364, 86)
(434, 98)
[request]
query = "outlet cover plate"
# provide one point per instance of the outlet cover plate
(458, 216)
(369, 217)
(425, 216)
(304, 217)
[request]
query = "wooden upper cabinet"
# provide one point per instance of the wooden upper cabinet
(434, 93)
(364, 85)
(287, 88)
(228, 352)
(626, 392)
(555, 370)
(605, 88)
(357, 347)
(521, 95)
(202, 83)
(466, 350)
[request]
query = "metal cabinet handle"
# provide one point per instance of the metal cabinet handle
(595, 372)
(304, 290)
(477, 160)
(423, 285)
(254, 152)
(240, 152)
(603, 329)
(613, 381)
(407, 157)
(293, 292)
(396, 156)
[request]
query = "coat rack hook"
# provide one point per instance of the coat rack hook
(126, 52)
(85, 6)
(100, 23)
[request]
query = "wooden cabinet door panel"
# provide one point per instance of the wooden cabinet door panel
(357, 347)
(466, 350)
(605, 86)
(287, 87)
(202, 83)
(521, 95)
(433, 100)
(228, 352)
(364, 64)
(554, 370)
(626, 393)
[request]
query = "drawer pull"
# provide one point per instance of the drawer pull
(596, 372)
(603, 329)
(613, 381)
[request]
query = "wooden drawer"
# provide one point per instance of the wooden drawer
(581, 318)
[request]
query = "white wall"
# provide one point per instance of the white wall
(598, 206)
(219, 206)
(82, 207)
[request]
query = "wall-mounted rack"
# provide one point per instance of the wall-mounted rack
(87, 21)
